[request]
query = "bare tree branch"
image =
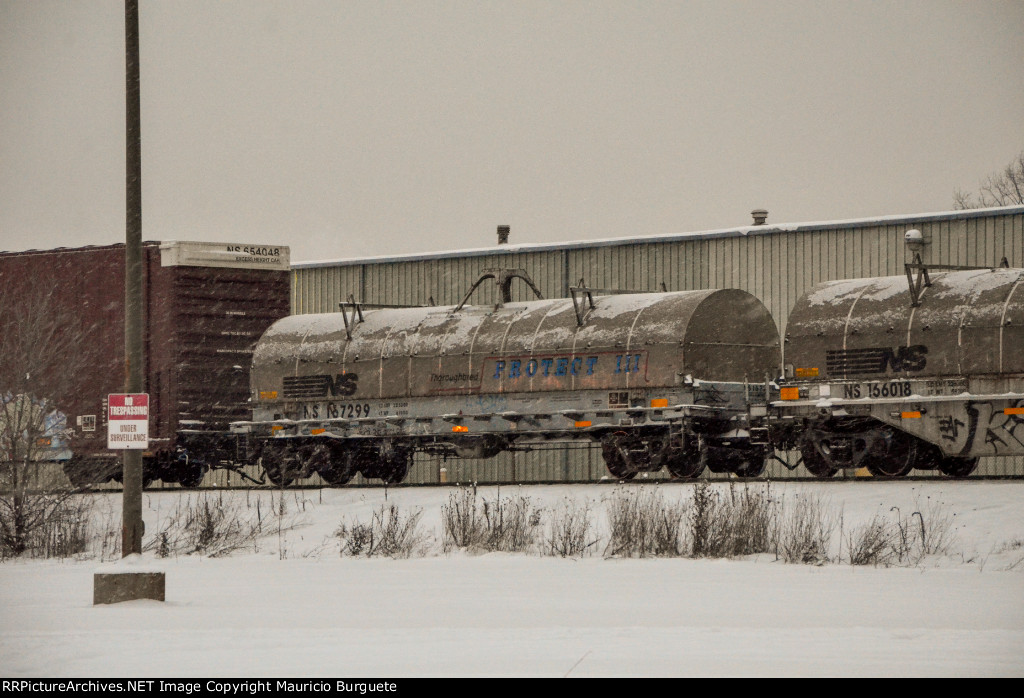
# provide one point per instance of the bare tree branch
(962, 200)
(1005, 188)
(44, 351)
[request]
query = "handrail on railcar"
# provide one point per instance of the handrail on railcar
(923, 280)
(503, 279)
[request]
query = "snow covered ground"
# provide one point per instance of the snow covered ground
(289, 605)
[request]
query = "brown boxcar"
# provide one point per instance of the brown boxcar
(204, 307)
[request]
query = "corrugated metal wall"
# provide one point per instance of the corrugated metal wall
(775, 263)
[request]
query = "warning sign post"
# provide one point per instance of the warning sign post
(128, 421)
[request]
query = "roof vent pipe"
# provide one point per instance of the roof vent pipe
(503, 231)
(760, 216)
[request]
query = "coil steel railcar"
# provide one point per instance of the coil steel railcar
(894, 373)
(676, 380)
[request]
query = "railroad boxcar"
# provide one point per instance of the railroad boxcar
(676, 380)
(919, 371)
(204, 307)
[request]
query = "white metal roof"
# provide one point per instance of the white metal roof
(740, 231)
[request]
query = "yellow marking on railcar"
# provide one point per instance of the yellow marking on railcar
(580, 425)
(910, 415)
(789, 393)
(659, 402)
(460, 428)
(806, 372)
(1014, 410)
(268, 395)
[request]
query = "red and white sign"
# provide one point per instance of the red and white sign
(128, 420)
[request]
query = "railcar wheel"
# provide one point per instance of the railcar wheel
(815, 462)
(150, 472)
(276, 462)
(336, 477)
(685, 463)
(888, 469)
(191, 476)
(931, 457)
(396, 468)
(615, 463)
(621, 473)
(331, 460)
(897, 459)
(340, 467)
(119, 479)
(276, 475)
(369, 463)
(312, 457)
(750, 462)
(957, 467)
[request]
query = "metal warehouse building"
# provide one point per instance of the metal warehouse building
(776, 263)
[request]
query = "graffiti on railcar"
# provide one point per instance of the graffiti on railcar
(994, 430)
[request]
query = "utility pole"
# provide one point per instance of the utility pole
(131, 521)
(129, 585)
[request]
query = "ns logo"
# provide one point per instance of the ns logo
(320, 385)
(876, 359)
(912, 358)
(342, 385)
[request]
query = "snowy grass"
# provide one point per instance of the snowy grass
(389, 533)
(642, 523)
(216, 524)
(791, 523)
(808, 530)
(570, 531)
(472, 523)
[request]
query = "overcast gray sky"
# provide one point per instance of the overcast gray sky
(348, 129)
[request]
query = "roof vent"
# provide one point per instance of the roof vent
(503, 231)
(760, 216)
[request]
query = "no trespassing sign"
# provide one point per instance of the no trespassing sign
(128, 421)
